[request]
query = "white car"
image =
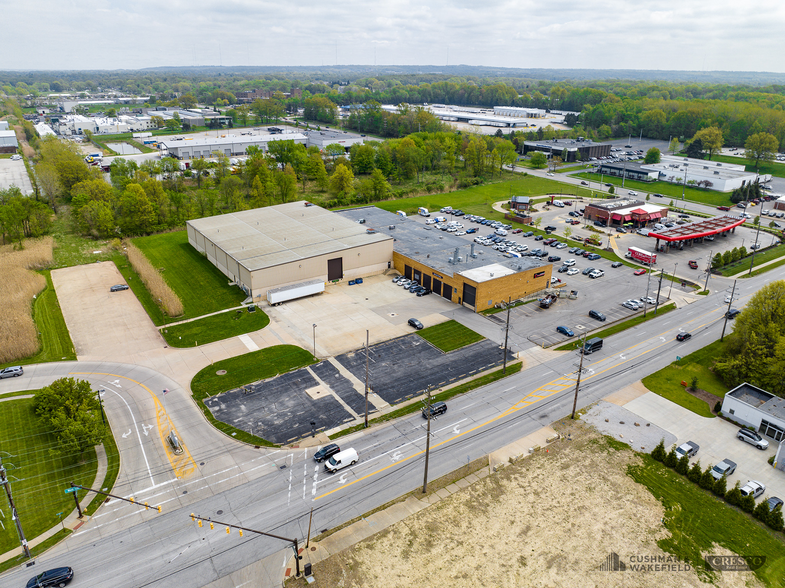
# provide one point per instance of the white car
(460, 233)
(727, 299)
(16, 157)
(430, 221)
(569, 262)
(632, 193)
(631, 304)
(648, 300)
(572, 271)
(561, 246)
(597, 274)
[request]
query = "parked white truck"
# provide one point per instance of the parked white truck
(423, 211)
(294, 291)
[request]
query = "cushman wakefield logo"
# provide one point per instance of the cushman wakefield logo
(670, 563)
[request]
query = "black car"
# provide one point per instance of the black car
(326, 452)
(118, 288)
(549, 229)
(617, 264)
(683, 336)
(415, 323)
(596, 314)
(733, 313)
(553, 258)
(437, 408)
(564, 268)
(423, 292)
(54, 577)
(587, 271)
(527, 234)
(539, 238)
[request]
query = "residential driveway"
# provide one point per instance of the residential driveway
(103, 324)
(716, 438)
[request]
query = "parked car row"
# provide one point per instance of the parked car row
(411, 285)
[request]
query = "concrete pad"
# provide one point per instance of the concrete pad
(443, 493)
(626, 394)
(521, 447)
(14, 173)
(462, 483)
(452, 488)
(103, 325)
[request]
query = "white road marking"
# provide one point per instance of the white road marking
(141, 446)
(621, 355)
(396, 456)
(146, 428)
(342, 479)
(126, 434)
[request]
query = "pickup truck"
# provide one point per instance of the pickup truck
(753, 487)
(689, 449)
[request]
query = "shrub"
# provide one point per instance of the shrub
(152, 278)
(720, 486)
(694, 383)
(771, 460)
(775, 519)
(658, 452)
(671, 460)
(683, 465)
(747, 503)
(733, 496)
(761, 512)
(695, 473)
(707, 481)
(718, 407)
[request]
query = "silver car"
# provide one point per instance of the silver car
(11, 372)
(752, 438)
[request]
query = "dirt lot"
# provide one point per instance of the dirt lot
(548, 520)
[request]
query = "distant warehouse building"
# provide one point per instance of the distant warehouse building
(475, 277)
(194, 148)
(569, 149)
(8, 142)
(291, 243)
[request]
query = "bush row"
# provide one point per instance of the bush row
(719, 487)
(152, 278)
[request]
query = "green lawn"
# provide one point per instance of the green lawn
(450, 335)
(699, 521)
(441, 396)
(139, 289)
(246, 369)
(667, 381)
(38, 479)
(743, 265)
(215, 328)
(112, 471)
(202, 288)
(622, 326)
(670, 191)
(478, 199)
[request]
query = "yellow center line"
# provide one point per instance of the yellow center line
(182, 465)
(522, 403)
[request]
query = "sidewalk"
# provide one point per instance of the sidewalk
(72, 521)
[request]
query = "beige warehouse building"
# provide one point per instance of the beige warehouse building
(291, 243)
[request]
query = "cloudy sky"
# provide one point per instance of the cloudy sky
(600, 34)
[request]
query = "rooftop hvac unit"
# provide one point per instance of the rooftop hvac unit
(460, 259)
(449, 260)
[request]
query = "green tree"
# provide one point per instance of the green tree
(717, 261)
(538, 160)
(362, 158)
(672, 460)
(720, 486)
(342, 181)
(707, 480)
(652, 156)
(96, 219)
(286, 182)
(72, 410)
(695, 473)
(674, 145)
(379, 185)
(747, 503)
(775, 519)
(200, 167)
(733, 496)
(187, 100)
(658, 452)
(760, 147)
(711, 139)
(761, 511)
(136, 214)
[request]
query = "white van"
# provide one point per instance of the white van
(341, 460)
(558, 204)
(402, 213)
(423, 211)
(659, 227)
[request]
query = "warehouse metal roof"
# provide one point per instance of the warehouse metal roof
(285, 233)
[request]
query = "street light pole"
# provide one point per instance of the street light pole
(314, 339)
(673, 277)
(578, 382)
(101, 403)
(708, 271)
(755, 246)
(427, 438)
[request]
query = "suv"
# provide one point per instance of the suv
(596, 314)
(326, 452)
(593, 256)
(11, 372)
(55, 577)
(596, 274)
(733, 313)
(437, 408)
(752, 438)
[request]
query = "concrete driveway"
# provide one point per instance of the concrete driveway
(103, 324)
(716, 438)
(14, 173)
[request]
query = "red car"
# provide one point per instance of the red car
(723, 208)
(516, 231)
(693, 264)
(639, 272)
(575, 222)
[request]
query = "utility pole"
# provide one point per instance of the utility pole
(648, 282)
(725, 324)
(580, 371)
(14, 515)
(659, 289)
(708, 271)
(755, 246)
(427, 437)
(506, 332)
(367, 337)
(101, 402)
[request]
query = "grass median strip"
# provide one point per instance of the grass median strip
(441, 396)
(450, 335)
(622, 326)
(216, 327)
(246, 369)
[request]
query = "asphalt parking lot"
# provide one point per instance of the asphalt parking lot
(281, 409)
(14, 173)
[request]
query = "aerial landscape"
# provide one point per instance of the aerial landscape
(417, 295)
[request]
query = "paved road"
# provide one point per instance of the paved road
(148, 549)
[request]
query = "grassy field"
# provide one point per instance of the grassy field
(38, 478)
(112, 471)
(441, 396)
(622, 326)
(698, 521)
(450, 335)
(35, 551)
(667, 381)
(743, 265)
(246, 369)
(138, 288)
(478, 199)
(56, 344)
(215, 328)
(71, 249)
(670, 191)
(200, 285)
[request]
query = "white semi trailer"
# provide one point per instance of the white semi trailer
(294, 291)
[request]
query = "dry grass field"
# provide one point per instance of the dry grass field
(152, 278)
(18, 334)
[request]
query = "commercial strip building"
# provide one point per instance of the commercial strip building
(629, 170)
(475, 277)
(291, 243)
(624, 211)
(569, 149)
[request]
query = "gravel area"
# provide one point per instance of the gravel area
(621, 425)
